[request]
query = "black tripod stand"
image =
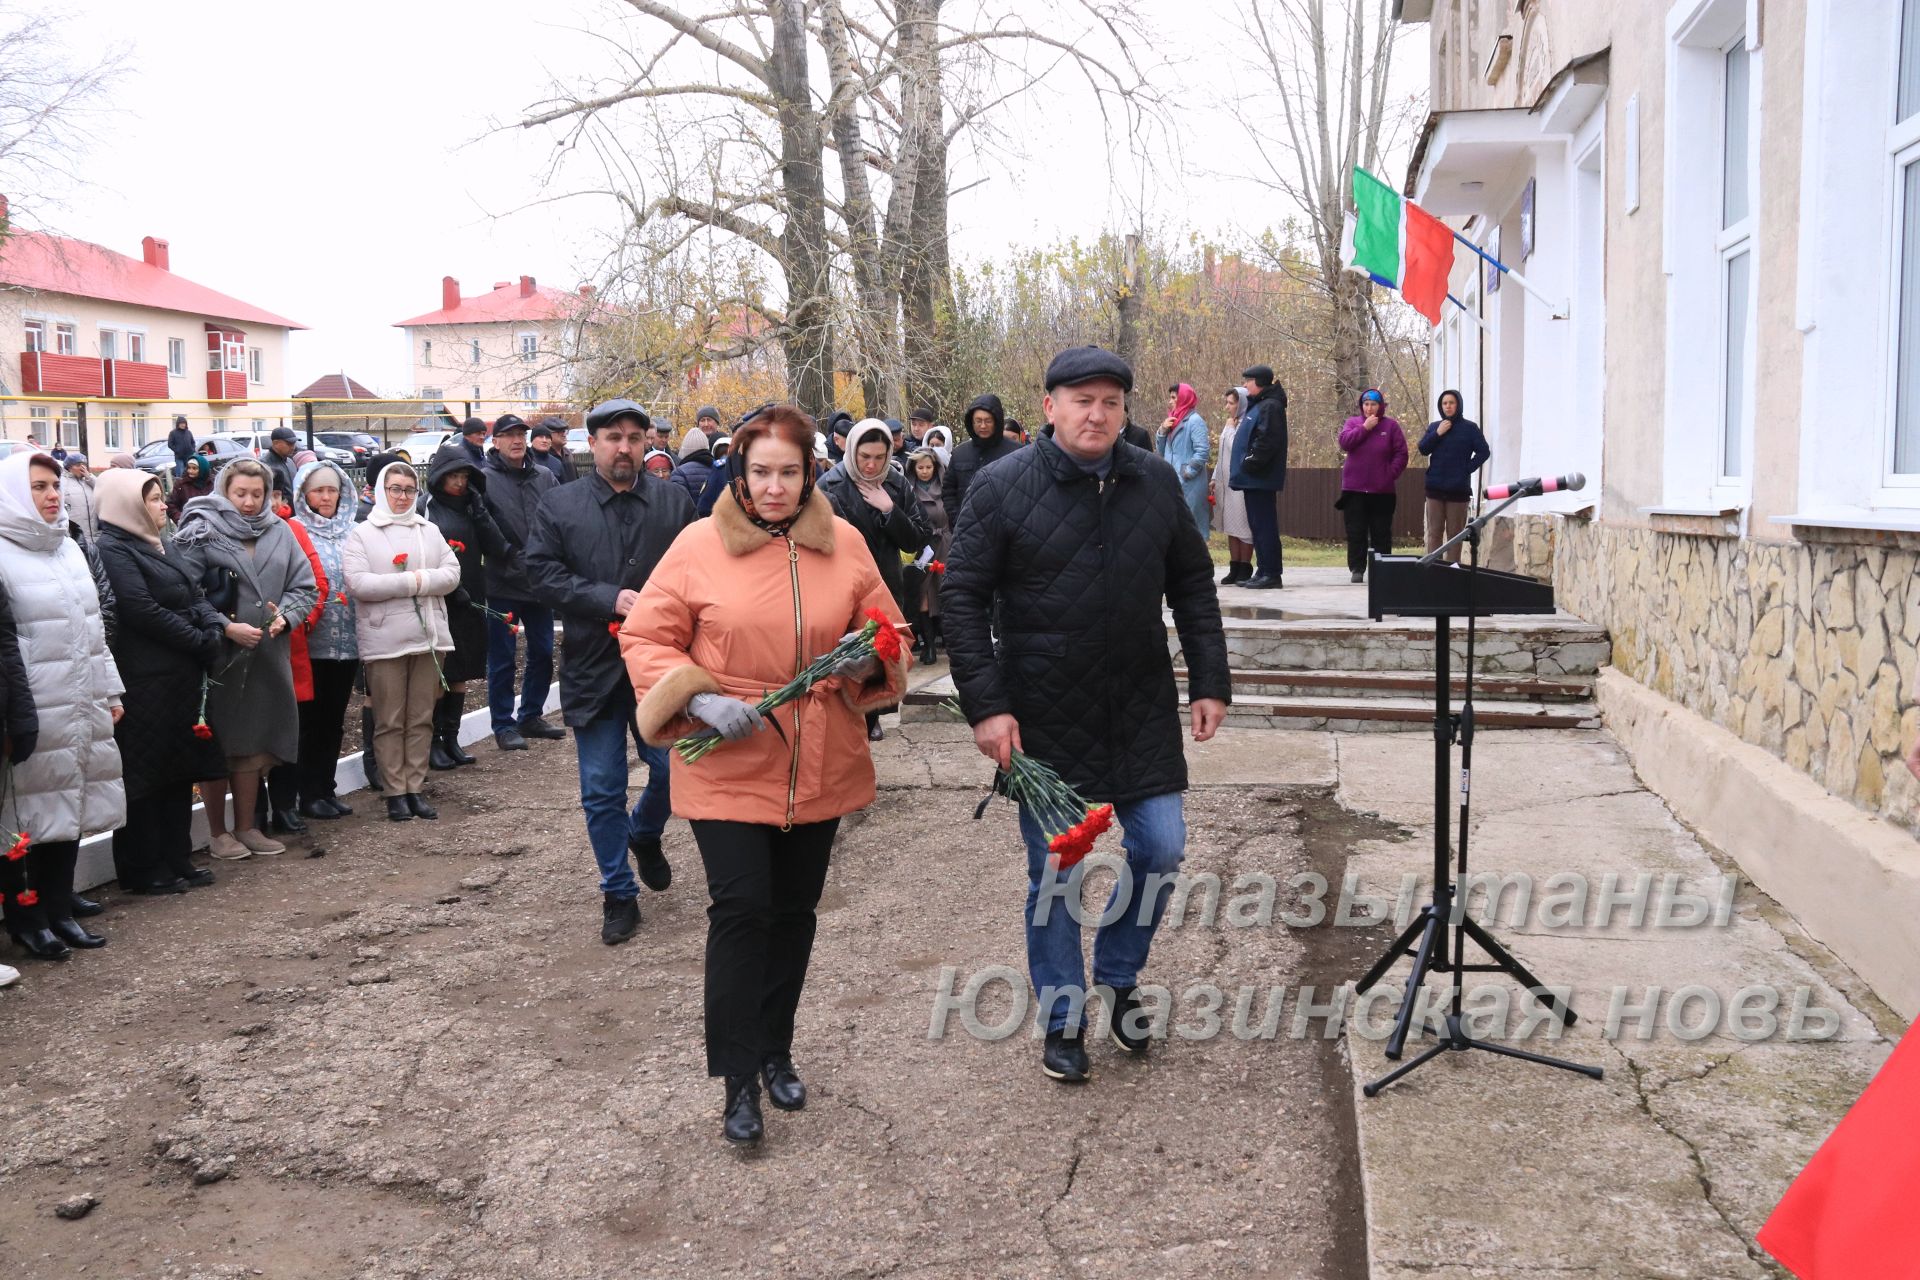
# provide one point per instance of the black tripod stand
(1434, 951)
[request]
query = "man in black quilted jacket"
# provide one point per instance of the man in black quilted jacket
(1079, 538)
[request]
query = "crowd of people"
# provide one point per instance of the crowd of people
(211, 634)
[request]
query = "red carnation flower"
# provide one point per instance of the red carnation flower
(203, 732)
(613, 628)
(507, 618)
(936, 567)
(18, 849)
(28, 898)
(401, 559)
(456, 544)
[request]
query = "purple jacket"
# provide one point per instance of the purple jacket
(1375, 458)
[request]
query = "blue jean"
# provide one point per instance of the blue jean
(1154, 840)
(602, 748)
(538, 623)
(1263, 522)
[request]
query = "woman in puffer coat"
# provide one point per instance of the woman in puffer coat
(65, 781)
(459, 510)
(168, 641)
(735, 607)
(400, 572)
(324, 499)
(924, 480)
(253, 571)
(1182, 444)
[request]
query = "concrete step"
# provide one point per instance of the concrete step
(1548, 648)
(1414, 684)
(1253, 708)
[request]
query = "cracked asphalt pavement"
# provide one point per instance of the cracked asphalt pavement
(412, 1058)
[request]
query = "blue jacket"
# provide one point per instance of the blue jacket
(1186, 450)
(693, 473)
(1453, 458)
(1260, 443)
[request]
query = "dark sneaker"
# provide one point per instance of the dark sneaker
(535, 727)
(510, 740)
(619, 919)
(1065, 1056)
(1125, 1031)
(655, 872)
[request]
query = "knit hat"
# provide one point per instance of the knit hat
(708, 411)
(694, 441)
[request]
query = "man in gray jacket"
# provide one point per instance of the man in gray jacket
(76, 492)
(515, 485)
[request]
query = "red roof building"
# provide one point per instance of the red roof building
(511, 348)
(109, 348)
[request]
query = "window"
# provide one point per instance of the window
(36, 335)
(476, 395)
(430, 393)
(1903, 449)
(66, 339)
(259, 428)
(138, 420)
(38, 422)
(426, 351)
(1735, 245)
(529, 346)
(110, 419)
(177, 357)
(109, 344)
(530, 394)
(476, 358)
(137, 347)
(70, 428)
(256, 366)
(234, 352)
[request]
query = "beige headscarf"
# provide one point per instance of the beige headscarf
(122, 495)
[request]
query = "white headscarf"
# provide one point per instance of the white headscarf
(16, 483)
(382, 513)
(865, 428)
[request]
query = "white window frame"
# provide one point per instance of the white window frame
(40, 423)
(1903, 152)
(110, 424)
(528, 345)
(234, 352)
(136, 346)
(66, 339)
(70, 427)
(139, 422)
(176, 357)
(35, 334)
(257, 366)
(1695, 247)
(426, 352)
(109, 343)
(530, 394)
(476, 353)
(1730, 242)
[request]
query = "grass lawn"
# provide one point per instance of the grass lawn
(1306, 554)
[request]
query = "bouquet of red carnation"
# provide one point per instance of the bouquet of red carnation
(1069, 820)
(876, 638)
(18, 849)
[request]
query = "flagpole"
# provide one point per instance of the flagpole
(1557, 309)
(1471, 313)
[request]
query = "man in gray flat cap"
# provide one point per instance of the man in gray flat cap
(1077, 539)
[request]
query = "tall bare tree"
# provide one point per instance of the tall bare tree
(49, 102)
(1325, 106)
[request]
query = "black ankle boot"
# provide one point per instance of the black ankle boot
(421, 809)
(41, 944)
(74, 934)
(398, 810)
(785, 1089)
(452, 705)
(437, 758)
(742, 1124)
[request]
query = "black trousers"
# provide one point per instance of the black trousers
(1369, 519)
(323, 722)
(46, 872)
(762, 887)
(156, 844)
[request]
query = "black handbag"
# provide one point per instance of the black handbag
(222, 588)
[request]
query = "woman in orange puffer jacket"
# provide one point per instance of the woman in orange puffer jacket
(738, 606)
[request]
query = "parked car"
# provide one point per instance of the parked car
(156, 458)
(358, 443)
(419, 447)
(580, 448)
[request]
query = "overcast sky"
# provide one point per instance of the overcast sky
(331, 162)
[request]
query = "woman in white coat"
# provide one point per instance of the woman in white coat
(1229, 503)
(399, 574)
(66, 783)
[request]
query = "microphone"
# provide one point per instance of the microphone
(1534, 486)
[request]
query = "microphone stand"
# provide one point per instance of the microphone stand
(1432, 953)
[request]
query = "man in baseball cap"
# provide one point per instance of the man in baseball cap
(279, 460)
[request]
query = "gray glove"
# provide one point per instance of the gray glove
(731, 718)
(858, 668)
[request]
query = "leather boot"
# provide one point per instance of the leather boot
(742, 1124)
(75, 934)
(785, 1089)
(439, 758)
(27, 920)
(452, 705)
(933, 640)
(368, 759)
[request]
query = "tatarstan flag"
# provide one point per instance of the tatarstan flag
(1399, 244)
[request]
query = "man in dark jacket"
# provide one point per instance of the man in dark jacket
(1259, 470)
(279, 459)
(594, 545)
(548, 440)
(986, 424)
(473, 437)
(515, 486)
(180, 444)
(1079, 537)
